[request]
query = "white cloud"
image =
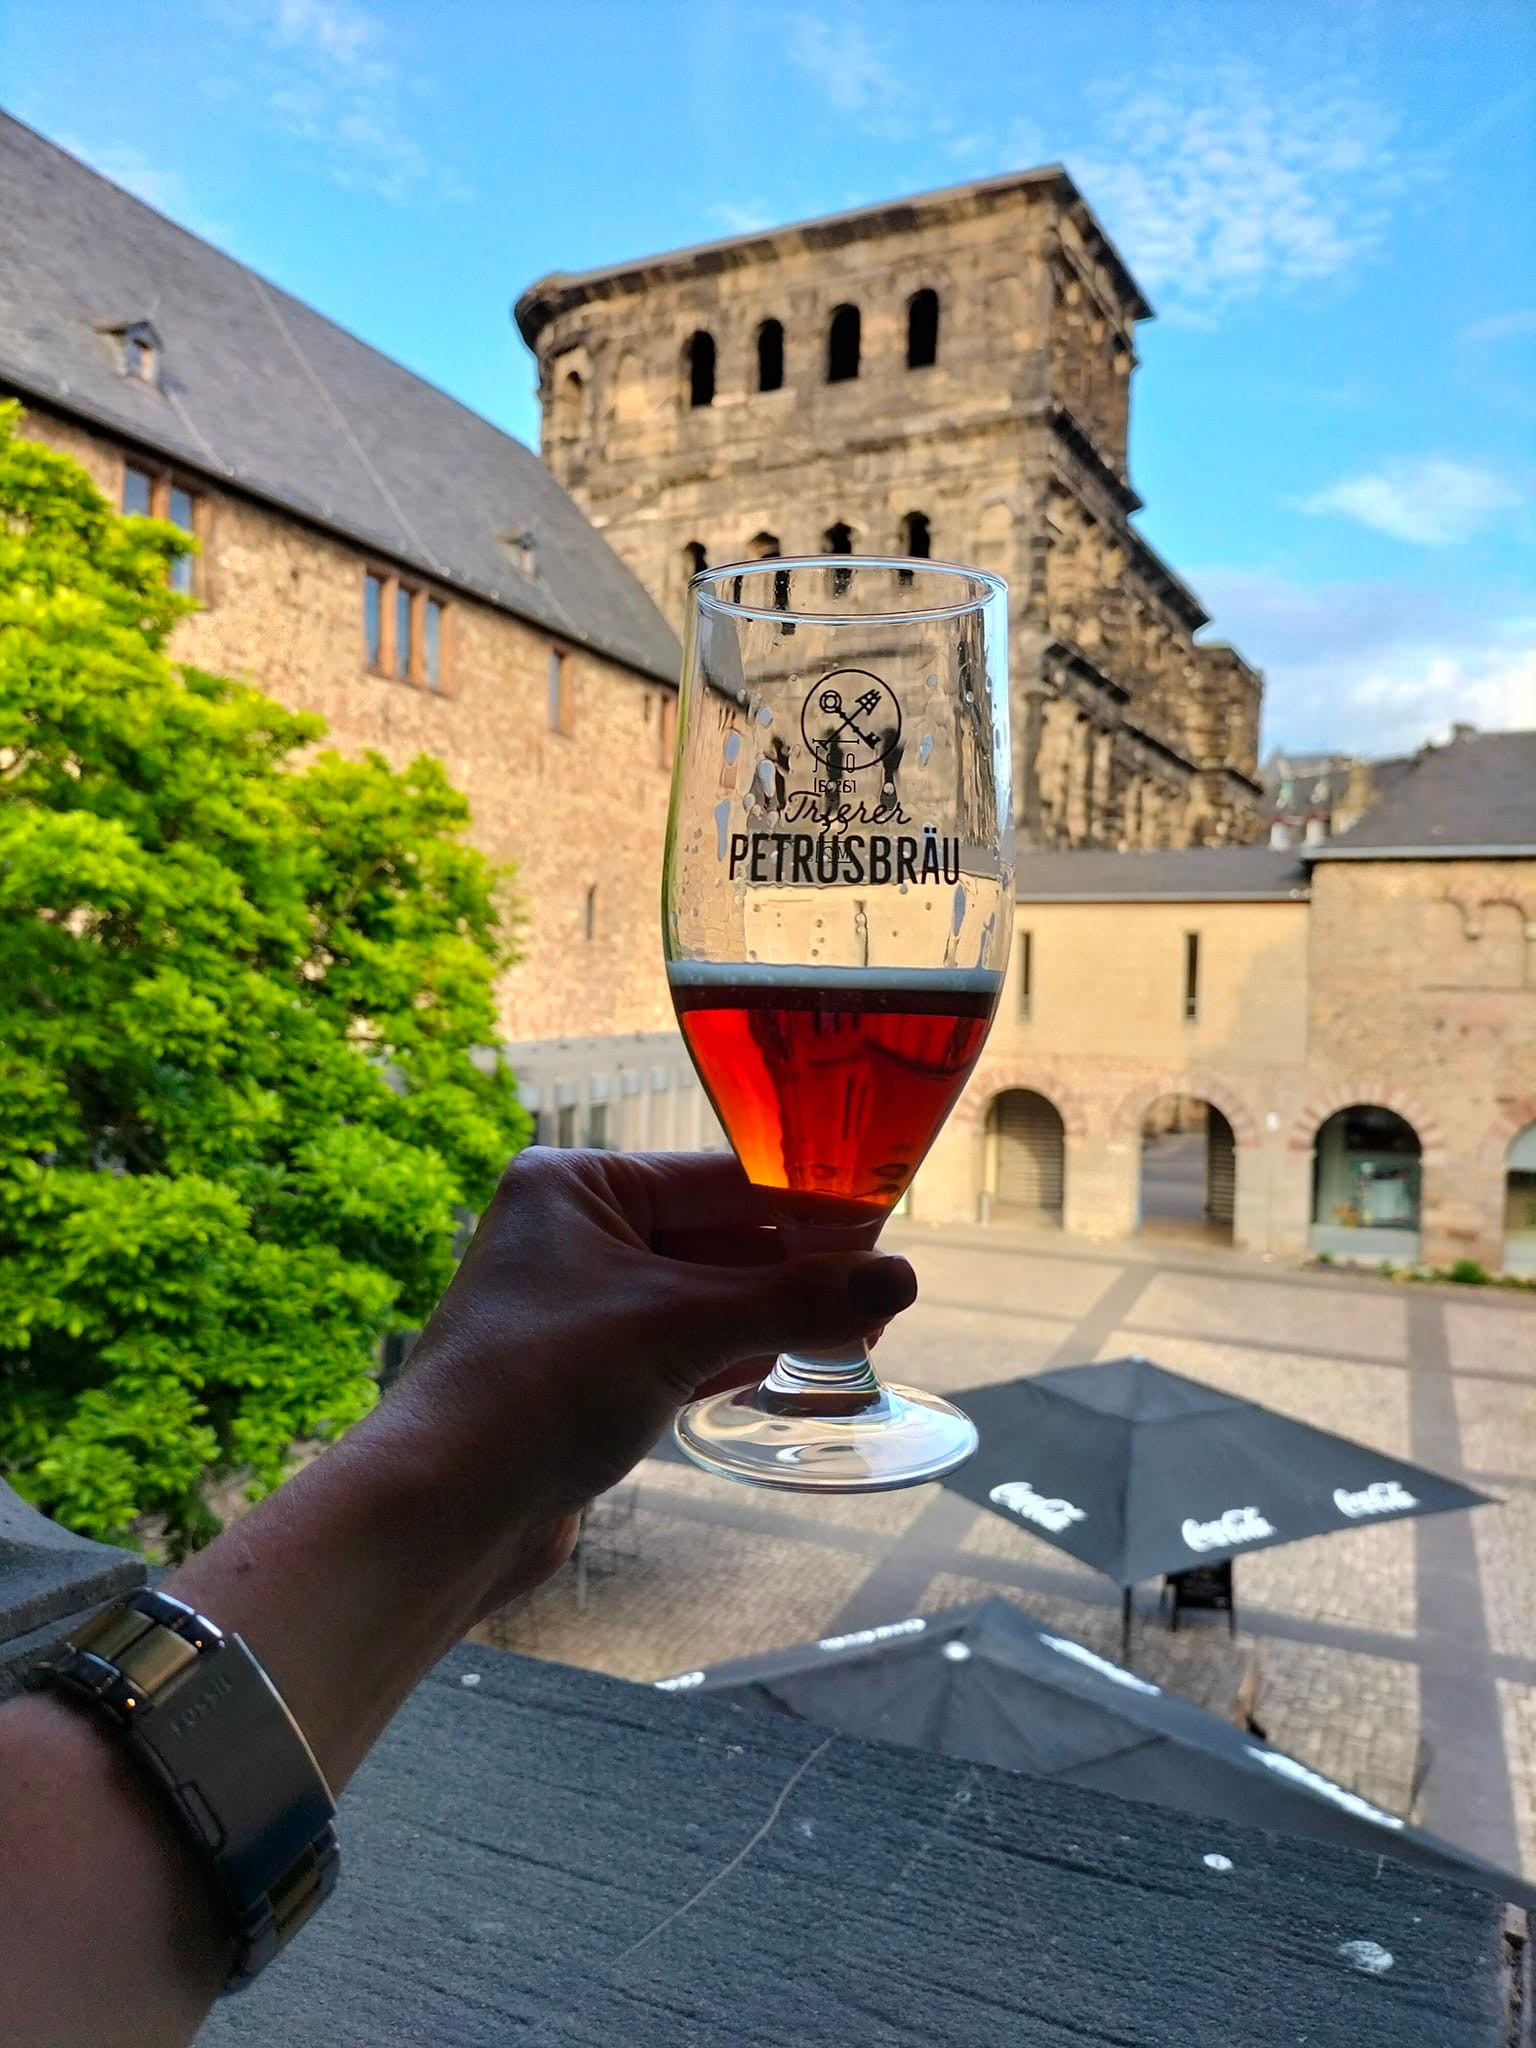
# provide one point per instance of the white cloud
(743, 219)
(846, 65)
(1501, 326)
(1433, 501)
(323, 76)
(1373, 668)
(1215, 186)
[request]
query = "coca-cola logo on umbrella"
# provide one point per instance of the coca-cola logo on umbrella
(1381, 1497)
(1232, 1526)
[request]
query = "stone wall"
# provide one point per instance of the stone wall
(575, 810)
(1011, 447)
(1406, 985)
(1422, 996)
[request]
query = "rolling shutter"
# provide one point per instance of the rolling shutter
(1030, 1153)
(1220, 1168)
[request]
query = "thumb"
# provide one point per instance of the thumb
(825, 1299)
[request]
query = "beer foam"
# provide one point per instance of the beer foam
(934, 981)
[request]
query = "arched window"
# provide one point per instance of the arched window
(838, 540)
(843, 345)
(770, 356)
(695, 561)
(915, 537)
(589, 923)
(762, 547)
(699, 356)
(570, 401)
(922, 329)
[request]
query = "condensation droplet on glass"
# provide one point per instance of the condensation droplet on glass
(765, 774)
(732, 747)
(925, 748)
(932, 683)
(888, 788)
(959, 918)
(765, 716)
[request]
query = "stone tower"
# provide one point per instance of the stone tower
(951, 375)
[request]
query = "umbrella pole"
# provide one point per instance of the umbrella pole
(1125, 1624)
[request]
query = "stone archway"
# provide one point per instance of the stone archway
(1025, 1167)
(1130, 1114)
(1186, 1182)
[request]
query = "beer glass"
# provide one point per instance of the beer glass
(837, 909)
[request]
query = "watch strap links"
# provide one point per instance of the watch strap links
(205, 1723)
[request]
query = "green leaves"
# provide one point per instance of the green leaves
(238, 998)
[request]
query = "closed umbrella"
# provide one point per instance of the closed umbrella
(987, 1684)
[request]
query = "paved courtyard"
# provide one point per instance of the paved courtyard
(1399, 1659)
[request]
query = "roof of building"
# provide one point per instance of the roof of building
(1476, 796)
(561, 288)
(263, 393)
(1195, 874)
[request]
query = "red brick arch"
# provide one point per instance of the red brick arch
(1369, 1091)
(1126, 1122)
(1002, 1076)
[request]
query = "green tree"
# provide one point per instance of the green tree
(241, 988)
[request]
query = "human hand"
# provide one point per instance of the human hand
(601, 1291)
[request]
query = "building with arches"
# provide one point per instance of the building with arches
(947, 375)
(1353, 1020)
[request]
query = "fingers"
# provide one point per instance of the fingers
(823, 1300)
(665, 1193)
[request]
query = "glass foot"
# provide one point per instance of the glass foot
(903, 1438)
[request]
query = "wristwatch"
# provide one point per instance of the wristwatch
(209, 1729)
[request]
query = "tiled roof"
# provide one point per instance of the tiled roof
(263, 392)
(1477, 795)
(1197, 874)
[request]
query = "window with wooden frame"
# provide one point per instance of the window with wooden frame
(562, 713)
(160, 494)
(1191, 977)
(405, 630)
(1024, 946)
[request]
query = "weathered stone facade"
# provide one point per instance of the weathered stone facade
(1007, 449)
(1405, 985)
(577, 809)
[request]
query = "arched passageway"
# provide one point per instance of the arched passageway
(1188, 1184)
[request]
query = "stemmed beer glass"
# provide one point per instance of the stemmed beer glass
(837, 909)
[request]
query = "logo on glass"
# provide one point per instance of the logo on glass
(851, 721)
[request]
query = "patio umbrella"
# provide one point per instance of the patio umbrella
(987, 1684)
(1138, 1471)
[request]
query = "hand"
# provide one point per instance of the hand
(601, 1291)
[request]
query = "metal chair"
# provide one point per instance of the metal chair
(1205, 1589)
(605, 1538)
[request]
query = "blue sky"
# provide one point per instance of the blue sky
(1330, 205)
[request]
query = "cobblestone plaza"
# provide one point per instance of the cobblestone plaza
(1399, 1659)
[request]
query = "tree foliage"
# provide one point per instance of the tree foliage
(240, 988)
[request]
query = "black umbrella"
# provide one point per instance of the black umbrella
(986, 1684)
(1138, 1471)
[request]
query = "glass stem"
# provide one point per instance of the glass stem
(834, 1381)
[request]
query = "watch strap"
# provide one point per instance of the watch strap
(210, 1730)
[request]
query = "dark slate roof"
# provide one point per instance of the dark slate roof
(1196, 874)
(264, 393)
(550, 1856)
(1475, 796)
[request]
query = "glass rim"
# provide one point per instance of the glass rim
(702, 593)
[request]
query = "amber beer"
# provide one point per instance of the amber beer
(837, 1083)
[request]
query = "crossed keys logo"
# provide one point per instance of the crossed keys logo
(851, 721)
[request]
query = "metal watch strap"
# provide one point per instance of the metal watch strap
(209, 1728)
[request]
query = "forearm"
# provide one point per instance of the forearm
(348, 1585)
